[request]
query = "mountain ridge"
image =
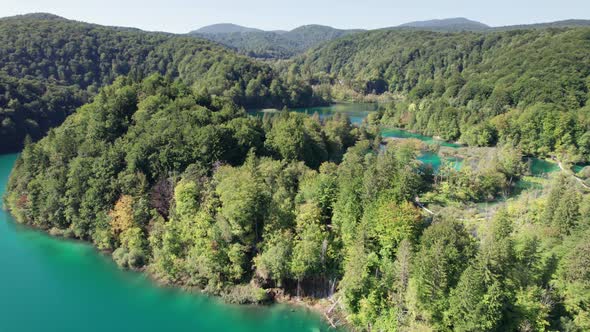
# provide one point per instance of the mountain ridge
(447, 24)
(569, 23)
(38, 16)
(224, 28)
(270, 44)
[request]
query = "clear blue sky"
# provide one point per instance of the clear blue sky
(184, 15)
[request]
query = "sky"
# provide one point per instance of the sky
(181, 16)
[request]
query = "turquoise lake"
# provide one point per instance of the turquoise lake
(55, 285)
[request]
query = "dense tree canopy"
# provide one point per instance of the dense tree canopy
(521, 87)
(49, 66)
(200, 194)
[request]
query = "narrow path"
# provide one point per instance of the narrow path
(417, 201)
(563, 169)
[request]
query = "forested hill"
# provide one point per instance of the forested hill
(463, 24)
(224, 28)
(524, 87)
(557, 24)
(286, 44)
(270, 44)
(49, 66)
(449, 24)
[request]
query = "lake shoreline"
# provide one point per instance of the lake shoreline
(326, 309)
(318, 306)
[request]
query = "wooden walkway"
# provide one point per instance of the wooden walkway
(563, 169)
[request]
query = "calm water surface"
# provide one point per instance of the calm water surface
(356, 112)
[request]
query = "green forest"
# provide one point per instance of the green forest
(49, 66)
(140, 143)
(527, 88)
(199, 194)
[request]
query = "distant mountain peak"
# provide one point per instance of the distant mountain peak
(313, 26)
(38, 16)
(269, 44)
(455, 23)
(224, 28)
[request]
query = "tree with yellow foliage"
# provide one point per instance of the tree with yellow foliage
(128, 233)
(122, 215)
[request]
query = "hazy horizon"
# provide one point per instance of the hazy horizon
(181, 16)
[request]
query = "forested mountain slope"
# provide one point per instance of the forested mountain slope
(49, 66)
(463, 24)
(272, 44)
(285, 44)
(524, 87)
(556, 24)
